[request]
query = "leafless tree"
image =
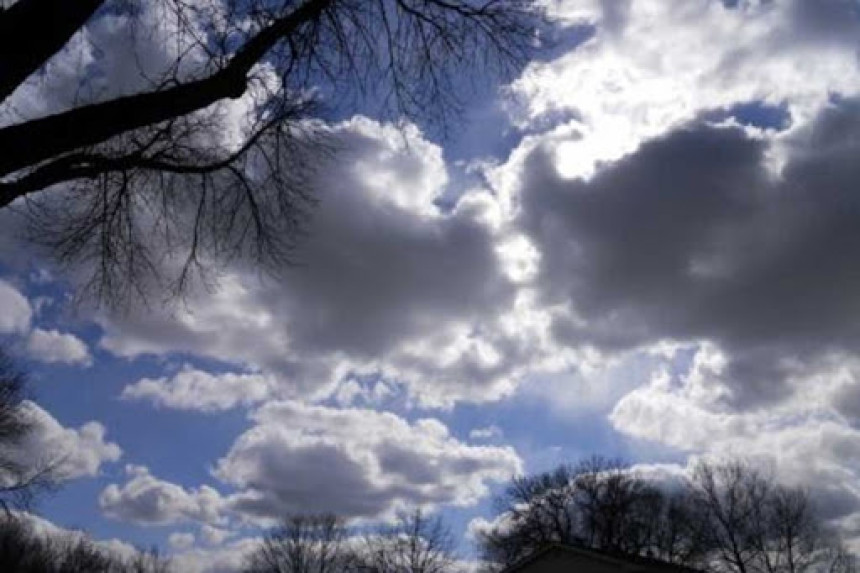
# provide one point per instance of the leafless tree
(731, 497)
(730, 517)
(303, 544)
(418, 544)
(598, 503)
(20, 481)
(755, 525)
(323, 544)
(141, 182)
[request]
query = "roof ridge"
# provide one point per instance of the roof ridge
(615, 556)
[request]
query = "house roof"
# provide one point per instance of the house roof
(635, 563)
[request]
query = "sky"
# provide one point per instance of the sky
(645, 245)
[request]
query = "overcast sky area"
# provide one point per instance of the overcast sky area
(647, 246)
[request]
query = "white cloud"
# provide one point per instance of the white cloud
(655, 64)
(181, 540)
(16, 315)
(192, 389)
(355, 463)
(805, 439)
(227, 559)
(54, 346)
(76, 452)
(147, 500)
(44, 528)
(491, 432)
(214, 535)
(43, 345)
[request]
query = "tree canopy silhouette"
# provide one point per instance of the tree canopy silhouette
(143, 176)
(727, 517)
(21, 480)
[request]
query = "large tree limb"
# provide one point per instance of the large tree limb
(27, 144)
(51, 23)
(86, 165)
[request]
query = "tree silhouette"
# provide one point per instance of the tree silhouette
(324, 544)
(728, 517)
(20, 481)
(598, 503)
(303, 544)
(417, 544)
(144, 181)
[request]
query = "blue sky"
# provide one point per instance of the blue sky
(642, 246)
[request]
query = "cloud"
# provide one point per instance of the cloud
(53, 346)
(389, 284)
(196, 390)
(213, 535)
(441, 299)
(355, 463)
(491, 432)
(805, 439)
(303, 459)
(179, 540)
(147, 500)
(653, 65)
(77, 452)
(47, 529)
(44, 345)
(692, 238)
(114, 54)
(16, 315)
(230, 558)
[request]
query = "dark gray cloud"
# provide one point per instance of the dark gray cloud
(692, 237)
(825, 21)
(385, 283)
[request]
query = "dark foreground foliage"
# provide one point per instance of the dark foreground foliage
(25, 550)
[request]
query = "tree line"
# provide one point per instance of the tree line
(325, 544)
(727, 517)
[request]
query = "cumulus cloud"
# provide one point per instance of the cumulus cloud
(16, 315)
(390, 284)
(214, 535)
(652, 65)
(192, 389)
(74, 452)
(356, 463)
(147, 500)
(690, 238)
(491, 432)
(806, 439)
(55, 346)
(44, 345)
(44, 528)
(302, 459)
(180, 540)
(230, 558)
